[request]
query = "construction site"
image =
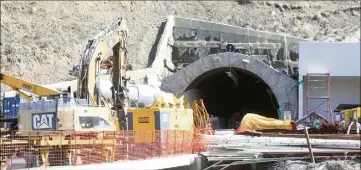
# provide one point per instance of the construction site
(184, 85)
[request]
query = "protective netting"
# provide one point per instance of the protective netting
(77, 148)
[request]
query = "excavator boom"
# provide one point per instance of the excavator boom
(20, 84)
(111, 39)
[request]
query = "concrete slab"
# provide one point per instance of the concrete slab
(156, 163)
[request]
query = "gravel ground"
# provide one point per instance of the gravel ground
(40, 40)
(325, 165)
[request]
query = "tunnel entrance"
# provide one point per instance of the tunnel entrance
(231, 97)
(207, 79)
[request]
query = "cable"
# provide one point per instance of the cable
(318, 105)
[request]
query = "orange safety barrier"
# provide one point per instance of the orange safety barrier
(198, 143)
(75, 148)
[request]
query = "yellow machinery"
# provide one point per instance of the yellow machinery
(88, 70)
(58, 113)
(90, 111)
(139, 98)
(89, 97)
(350, 114)
(162, 115)
(67, 114)
(19, 84)
(63, 115)
(87, 111)
(22, 85)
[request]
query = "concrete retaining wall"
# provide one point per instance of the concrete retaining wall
(174, 53)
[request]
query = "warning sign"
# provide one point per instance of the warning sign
(287, 115)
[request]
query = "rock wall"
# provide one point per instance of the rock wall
(193, 39)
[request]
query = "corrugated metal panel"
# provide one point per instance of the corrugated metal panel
(11, 106)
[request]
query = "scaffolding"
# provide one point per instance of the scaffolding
(318, 84)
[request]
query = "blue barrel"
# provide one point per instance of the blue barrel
(10, 107)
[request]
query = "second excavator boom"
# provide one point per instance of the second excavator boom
(20, 84)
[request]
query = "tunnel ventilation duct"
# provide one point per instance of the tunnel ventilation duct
(140, 95)
(233, 75)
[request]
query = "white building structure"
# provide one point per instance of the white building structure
(342, 61)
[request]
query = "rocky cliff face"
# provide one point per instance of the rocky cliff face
(40, 40)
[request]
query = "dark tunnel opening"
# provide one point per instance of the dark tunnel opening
(229, 102)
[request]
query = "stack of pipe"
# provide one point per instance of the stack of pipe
(241, 147)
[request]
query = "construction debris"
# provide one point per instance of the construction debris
(265, 149)
(329, 164)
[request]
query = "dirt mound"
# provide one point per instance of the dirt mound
(40, 40)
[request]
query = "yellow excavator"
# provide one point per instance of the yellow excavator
(88, 71)
(109, 48)
(100, 104)
(21, 85)
(91, 109)
(62, 113)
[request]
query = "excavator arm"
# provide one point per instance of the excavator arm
(113, 38)
(19, 84)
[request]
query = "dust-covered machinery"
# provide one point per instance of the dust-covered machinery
(55, 110)
(64, 115)
(87, 111)
(99, 104)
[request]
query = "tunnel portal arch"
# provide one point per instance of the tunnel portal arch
(280, 84)
(242, 92)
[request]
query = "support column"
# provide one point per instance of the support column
(300, 98)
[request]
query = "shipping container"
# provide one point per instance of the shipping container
(10, 107)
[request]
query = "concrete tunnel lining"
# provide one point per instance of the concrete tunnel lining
(224, 96)
(183, 81)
